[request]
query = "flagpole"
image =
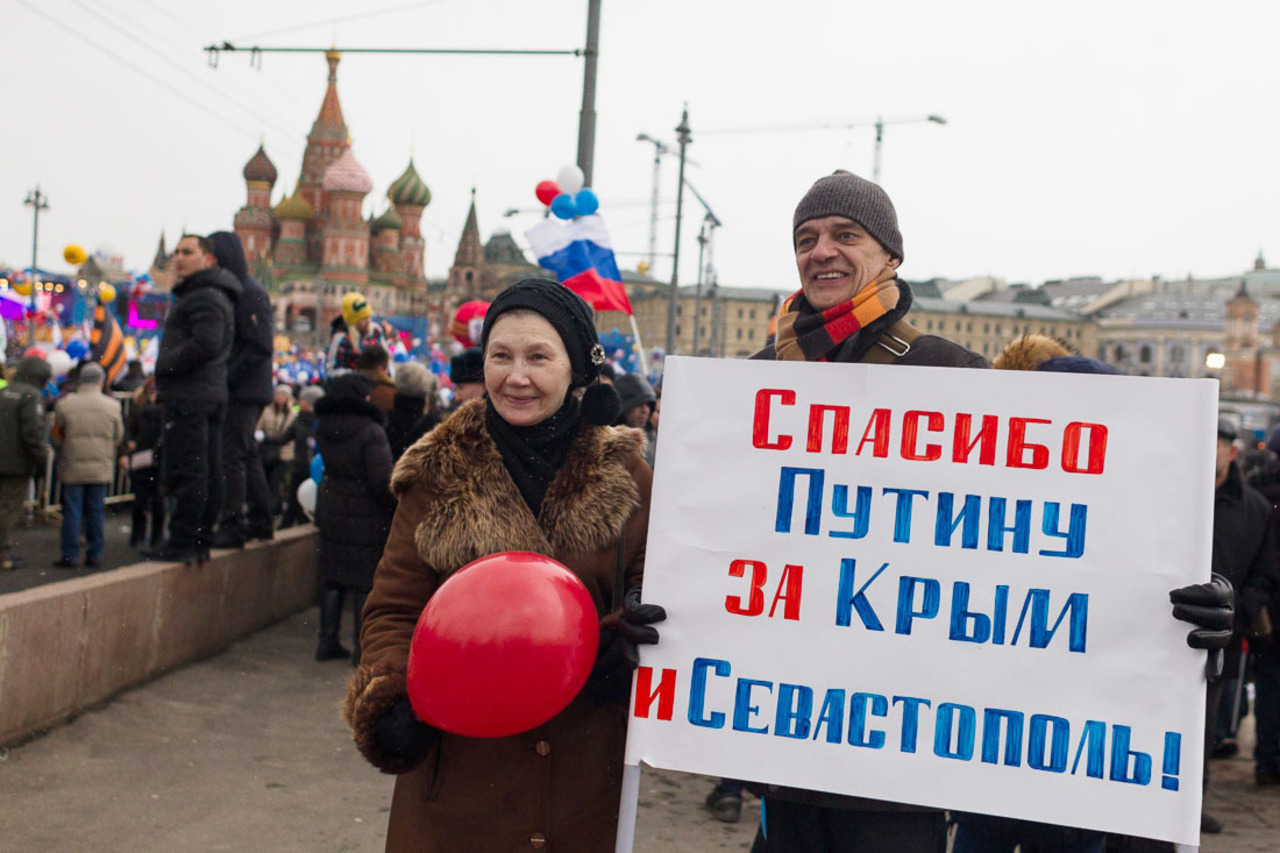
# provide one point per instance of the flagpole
(635, 330)
(628, 808)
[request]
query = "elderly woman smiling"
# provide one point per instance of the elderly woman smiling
(529, 467)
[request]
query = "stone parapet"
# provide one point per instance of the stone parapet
(67, 646)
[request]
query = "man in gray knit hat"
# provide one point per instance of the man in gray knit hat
(852, 307)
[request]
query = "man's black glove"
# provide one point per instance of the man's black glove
(1211, 608)
(400, 733)
(620, 634)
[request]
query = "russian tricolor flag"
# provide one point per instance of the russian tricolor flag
(580, 255)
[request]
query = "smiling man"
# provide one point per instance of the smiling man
(851, 305)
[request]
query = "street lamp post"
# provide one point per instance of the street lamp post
(37, 201)
(673, 300)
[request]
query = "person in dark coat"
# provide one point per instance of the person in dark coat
(142, 431)
(415, 410)
(247, 505)
(303, 434)
(1245, 551)
(1266, 709)
(24, 447)
(354, 504)
(636, 399)
(191, 381)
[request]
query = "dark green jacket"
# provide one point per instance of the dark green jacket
(23, 427)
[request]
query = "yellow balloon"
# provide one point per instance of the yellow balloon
(74, 255)
(22, 288)
(106, 294)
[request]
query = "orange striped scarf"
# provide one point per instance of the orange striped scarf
(805, 334)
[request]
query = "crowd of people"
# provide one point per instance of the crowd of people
(540, 446)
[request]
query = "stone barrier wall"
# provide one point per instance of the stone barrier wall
(68, 645)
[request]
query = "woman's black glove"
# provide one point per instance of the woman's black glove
(400, 733)
(620, 634)
(1211, 608)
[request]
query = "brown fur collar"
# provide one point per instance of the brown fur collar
(1029, 352)
(476, 509)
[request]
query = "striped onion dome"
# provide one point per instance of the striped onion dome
(409, 188)
(390, 219)
(260, 168)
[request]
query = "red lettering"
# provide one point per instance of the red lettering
(877, 433)
(839, 433)
(1018, 445)
(665, 693)
(961, 448)
(755, 604)
(791, 581)
(1071, 448)
(760, 425)
(911, 428)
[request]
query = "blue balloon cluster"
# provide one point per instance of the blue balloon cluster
(583, 203)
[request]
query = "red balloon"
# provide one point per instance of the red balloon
(503, 646)
(36, 352)
(546, 191)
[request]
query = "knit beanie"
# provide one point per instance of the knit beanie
(571, 317)
(845, 194)
(311, 394)
(467, 366)
(565, 311)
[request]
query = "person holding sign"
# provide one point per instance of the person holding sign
(528, 467)
(851, 308)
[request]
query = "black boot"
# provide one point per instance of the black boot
(330, 621)
(360, 595)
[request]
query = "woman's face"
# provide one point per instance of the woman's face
(526, 368)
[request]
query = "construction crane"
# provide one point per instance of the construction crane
(878, 123)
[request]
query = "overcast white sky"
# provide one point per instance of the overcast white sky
(1087, 138)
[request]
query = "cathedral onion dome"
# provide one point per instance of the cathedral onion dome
(409, 189)
(390, 219)
(345, 175)
(260, 168)
(295, 207)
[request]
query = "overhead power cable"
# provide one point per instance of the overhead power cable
(262, 120)
(185, 96)
(344, 19)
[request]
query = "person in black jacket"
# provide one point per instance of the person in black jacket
(303, 433)
(249, 391)
(354, 505)
(142, 430)
(191, 378)
(415, 409)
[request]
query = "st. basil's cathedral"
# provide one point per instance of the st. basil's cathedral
(315, 245)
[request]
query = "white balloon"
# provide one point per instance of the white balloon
(59, 363)
(569, 179)
(307, 497)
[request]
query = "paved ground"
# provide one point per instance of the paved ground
(245, 752)
(38, 547)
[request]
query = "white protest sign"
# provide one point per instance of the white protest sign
(933, 586)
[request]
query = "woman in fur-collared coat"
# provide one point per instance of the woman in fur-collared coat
(525, 468)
